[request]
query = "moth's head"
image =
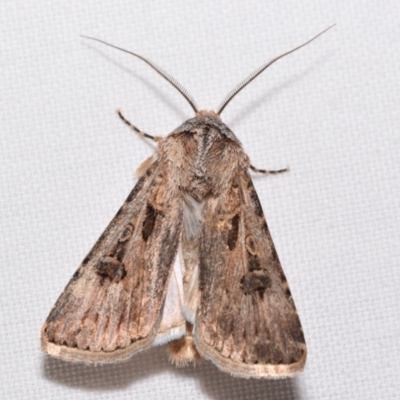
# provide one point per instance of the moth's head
(208, 113)
(230, 95)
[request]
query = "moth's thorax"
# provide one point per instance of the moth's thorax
(206, 120)
(203, 155)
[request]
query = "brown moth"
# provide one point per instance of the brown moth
(188, 260)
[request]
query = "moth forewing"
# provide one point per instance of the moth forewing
(188, 260)
(246, 322)
(111, 307)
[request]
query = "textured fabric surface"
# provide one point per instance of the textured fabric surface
(330, 111)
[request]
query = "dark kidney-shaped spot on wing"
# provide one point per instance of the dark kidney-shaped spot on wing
(110, 267)
(255, 281)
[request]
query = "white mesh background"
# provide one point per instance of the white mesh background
(331, 111)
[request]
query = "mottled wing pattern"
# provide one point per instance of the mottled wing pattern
(112, 306)
(246, 323)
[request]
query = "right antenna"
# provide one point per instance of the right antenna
(258, 71)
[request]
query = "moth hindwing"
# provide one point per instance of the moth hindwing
(188, 260)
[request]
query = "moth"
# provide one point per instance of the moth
(188, 260)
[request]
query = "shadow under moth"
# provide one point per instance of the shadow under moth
(188, 260)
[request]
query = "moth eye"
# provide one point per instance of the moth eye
(251, 246)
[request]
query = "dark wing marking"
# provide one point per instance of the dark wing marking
(111, 307)
(246, 323)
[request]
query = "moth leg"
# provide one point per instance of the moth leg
(137, 130)
(267, 172)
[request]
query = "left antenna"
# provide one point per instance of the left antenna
(159, 70)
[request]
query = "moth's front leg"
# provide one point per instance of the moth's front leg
(271, 171)
(137, 130)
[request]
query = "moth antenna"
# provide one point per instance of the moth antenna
(258, 71)
(159, 70)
